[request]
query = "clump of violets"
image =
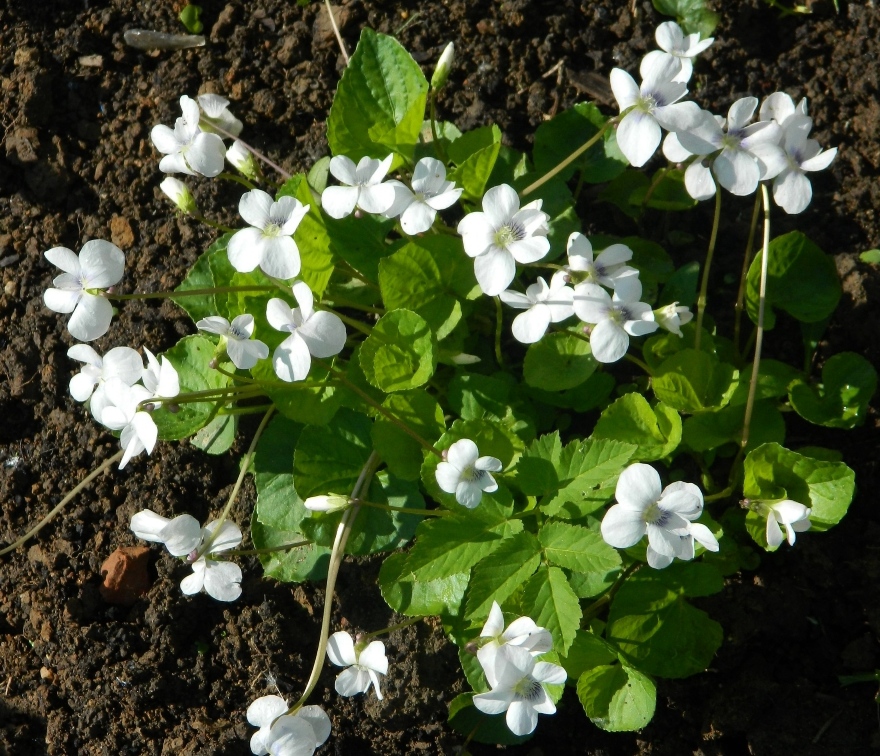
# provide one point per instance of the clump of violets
(187, 147)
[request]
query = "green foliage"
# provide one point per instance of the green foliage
(190, 17)
(475, 155)
(617, 698)
(655, 430)
(691, 15)
(557, 362)
(692, 381)
(400, 353)
(841, 400)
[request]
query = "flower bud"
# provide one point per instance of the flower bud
(328, 503)
(444, 66)
(672, 317)
(179, 194)
(243, 161)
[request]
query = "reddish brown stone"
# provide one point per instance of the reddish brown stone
(125, 575)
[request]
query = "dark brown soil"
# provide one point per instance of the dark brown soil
(174, 675)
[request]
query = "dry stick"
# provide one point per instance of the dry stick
(64, 502)
(342, 533)
(255, 152)
(704, 283)
(336, 32)
(759, 338)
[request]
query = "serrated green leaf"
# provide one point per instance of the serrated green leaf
(419, 412)
(421, 598)
(536, 471)
(617, 698)
(556, 606)
(577, 548)
(841, 400)
(558, 362)
(329, 458)
(400, 352)
(380, 101)
(498, 575)
(656, 431)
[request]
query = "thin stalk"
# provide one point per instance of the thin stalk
(243, 392)
(351, 304)
(390, 628)
(337, 33)
(279, 385)
(570, 159)
(191, 292)
(212, 224)
(438, 145)
(64, 502)
(704, 283)
(747, 260)
(593, 609)
(268, 549)
(636, 361)
(356, 324)
(245, 410)
(245, 466)
(342, 533)
(253, 150)
(659, 176)
(759, 335)
(499, 327)
(237, 179)
(401, 510)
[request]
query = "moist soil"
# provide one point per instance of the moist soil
(174, 674)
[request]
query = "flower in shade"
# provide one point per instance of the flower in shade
(522, 632)
(268, 242)
(364, 665)
(186, 147)
(673, 42)
(244, 351)
(791, 515)
(98, 266)
(417, 207)
(283, 734)
(215, 112)
(543, 305)
(666, 516)
(648, 107)
(318, 334)
(616, 319)
(466, 474)
(672, 317)
(502, 235)
(362, 187)
(519, 688)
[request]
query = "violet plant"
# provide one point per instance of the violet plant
(583, 455)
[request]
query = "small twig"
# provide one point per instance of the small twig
(337, 33)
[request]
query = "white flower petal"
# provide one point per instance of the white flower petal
(254, 207)
(340, 649)
(608, 341)
(622, 527)
(91, 318)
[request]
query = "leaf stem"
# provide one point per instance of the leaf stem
(600, 603)
(403, 510)
(237, 179)
(499, 326)
(191, 292)
(391, 628)
(747, 259)
(337, 32)
(702, 298)
(268, 549)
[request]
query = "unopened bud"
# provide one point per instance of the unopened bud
(172, 408)
(444, 66)
(471, 648)
(179, 194)
(243, 161)
(327, 503)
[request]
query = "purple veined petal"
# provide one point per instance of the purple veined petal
(148, 526)
(91, 318)
(638, 136)
(376, 199)
(792, 191)
(265, 710)
(819, 162)
(608, 341)
(679, 116)
(175, 163)
(663, 541)
(65, 259)
(624, 87)
(319, 721)
(532, 219)
(352, 681)
(622, 527)
(699, 182)
(500, 204)
(340, 649)
(477, 234)
(245, 249)
(463, 454)
(344, 170)
(254, 208)
(291, 359)
(222, 580)
(339, 201)
(447, 476)
(192, 584)
(530, 249)
(494, 270)
(667, 93)
(445, 199)
(515, 299)
(207, 155)
(180, 535)
(417, 218)
(669, 36)
(638, 487)
(280, 257)
(522, 719)
(246, 353)
(294, 212)
(373, 657)
(324, 334)
(228, 536)
(737, 171)
(741, 112)
(658, 561)
(243, 324)
(61, 300)
(279, 315)
(703, 536)
(494, 702)
(531, 325)
(101, 264)
(214, 324)
(468, 493)
(591, 302)
(164, 140)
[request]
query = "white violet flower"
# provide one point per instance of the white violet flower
(180, 536)
(522, 632)
(98, 266)
(665, 515)
(519, 688)
(543, 305)
(120, 362)
(672, 42)
(186, 147)
(244, 351)
(318, 334)
(283, 734)
(215, 112)
(672, 317)
(792, 515)
(792, 190)
(653, 104)
(466, 474)
(221, 580)
(160, 378)
(615, 318)
(268, 242)
(243, 161)
(179, 194)
(362, 188)
(417, 207)
(608, 269)
(364, 664)
(138, 429)
(502, 235)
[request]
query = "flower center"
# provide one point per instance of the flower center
(656, 515)
(472, 474)
(731, 140)
(647, 102)
(509, 233)
(529, 689)
(237, 333)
